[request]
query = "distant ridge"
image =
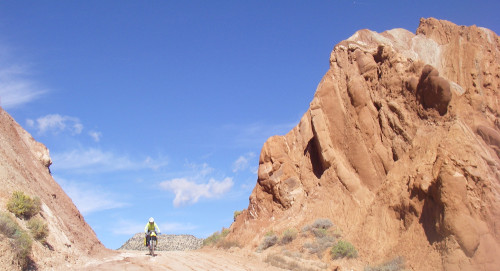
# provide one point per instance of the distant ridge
(166, 242)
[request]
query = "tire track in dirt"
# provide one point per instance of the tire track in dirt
(213, 260)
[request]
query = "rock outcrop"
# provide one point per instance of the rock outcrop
(166, 242)
(400, 148)
(24, 166)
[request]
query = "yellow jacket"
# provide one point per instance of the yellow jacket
(151, 227)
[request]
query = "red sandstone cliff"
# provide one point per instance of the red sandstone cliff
(400, 148)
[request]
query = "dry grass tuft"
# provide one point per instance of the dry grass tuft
(288, 236)
(20, 241)
(396, 264)
(281, 261)
(38, 228)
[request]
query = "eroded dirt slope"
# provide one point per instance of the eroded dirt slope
(24, 166)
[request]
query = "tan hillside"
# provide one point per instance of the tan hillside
(24, 166)
(400, 148)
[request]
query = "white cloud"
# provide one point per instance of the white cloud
(15, 90)
(242, 162)
(88, 198)
(56, 123)
(94, 160)
(95, 135)
(189, 192)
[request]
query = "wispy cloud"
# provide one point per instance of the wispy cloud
(15, 88)
(93, 160)
(243, 162)
(89, 198)
(56, 123)
(95, 135)
(188, 191)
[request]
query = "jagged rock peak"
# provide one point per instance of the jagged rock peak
(400, 148)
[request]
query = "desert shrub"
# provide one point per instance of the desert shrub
(39, 229)
(212, 239)
(21, 244)
(227, 244)
(22, 205)
(322, 223)
(319, 245)
(343, 249)
(318, 228)
(216, 237)
(20, 241)
(319, 232)
(224, 232)
(396, 264)
(288, 236)
(236, 214)
(269, 241)
(8, 226)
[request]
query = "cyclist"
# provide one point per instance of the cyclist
(151, 227)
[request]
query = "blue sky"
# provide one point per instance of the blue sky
(161, 108)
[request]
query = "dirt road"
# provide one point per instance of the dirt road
(179, 261)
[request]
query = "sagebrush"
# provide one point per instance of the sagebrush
(319, 245)
(38, 228)
(343, 249)
(288, 236)
(269, 241)
(23, 206)
(20, 241)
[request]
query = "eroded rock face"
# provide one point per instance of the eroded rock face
(400, 148)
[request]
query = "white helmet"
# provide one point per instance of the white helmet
(151, 220)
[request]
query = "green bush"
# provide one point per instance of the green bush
(23, 206)
(38, 228)
(396, 264)
(288, 236)
(343, 249)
